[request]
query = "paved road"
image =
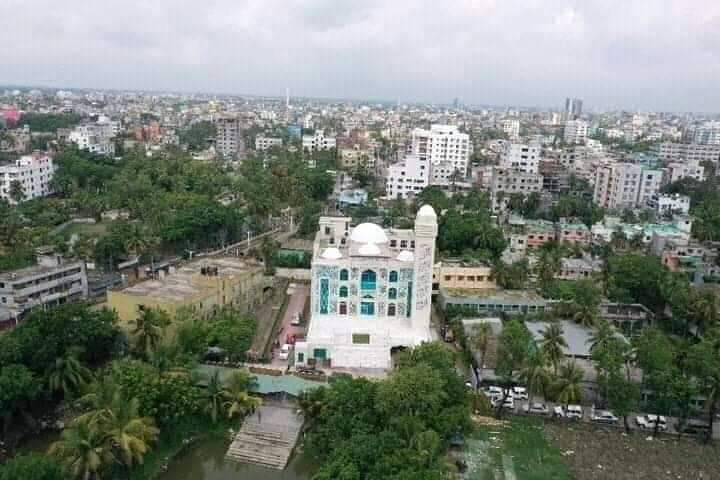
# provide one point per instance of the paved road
(299, 293)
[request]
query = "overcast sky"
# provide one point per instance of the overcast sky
(644, 54)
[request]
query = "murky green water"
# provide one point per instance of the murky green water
(206, 461)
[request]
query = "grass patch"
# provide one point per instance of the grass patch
(90, 229)
(518, 450)
(172, 443)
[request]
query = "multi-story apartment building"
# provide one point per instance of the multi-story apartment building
(670, 204)
(683, 152)
(408, 177)
(521, 157)
(625, 185)
(263, 143)
(688, 169)
(94, 138)
(573, 108)
(506, 181)
(575, 131)
(34, 174)
(511, 127)
(350, 158)
(50, 282)
(462, 275)
(708, 133)
(442, 143)
(228, 138)
(318, 141)
(575, 233)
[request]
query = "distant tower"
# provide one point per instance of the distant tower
(287, 97)
(426, 230)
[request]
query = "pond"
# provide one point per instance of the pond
(206, 461)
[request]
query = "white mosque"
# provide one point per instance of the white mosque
(371, 292)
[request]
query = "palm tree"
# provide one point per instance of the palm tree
(129, 433)
(568, 387)
(240, 403)
(535, 375)
(481, 341)
(83, 450)
(67, 375)
(138, 239)
(602, 336)
(214, 397)
(99, 400)
(552, 345)
(585, 315)
(148, 331)
(704, 310)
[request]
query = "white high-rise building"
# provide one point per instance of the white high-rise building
(522, 157)
(94, 138)
(442, 143)
(408, 177)
(33, 172)
(626, 185)
(318, 141)
(263, 143)
(575, 131)
(708, 133)
(511, 126)
(370, 292)
(681, 152)
(228, 139)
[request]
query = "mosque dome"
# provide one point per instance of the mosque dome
(426, 211)
(369, 250)
(331, 253)
(406, 256)
(369, 233)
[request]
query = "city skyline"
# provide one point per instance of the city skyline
(484, 52)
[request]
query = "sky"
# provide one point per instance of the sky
(661, 55)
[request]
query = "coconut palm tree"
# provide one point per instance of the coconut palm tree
(602, 336)
(552, 345)
(214, 397)
(129, 433)
(704, 310)
(535, 375)
(83, 450)
(585, 315)
(481, 341)
(99, 400)
(148, 330)
(240, 403)
(568, 386)
(67, 375)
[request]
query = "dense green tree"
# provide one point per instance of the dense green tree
(198, 135)
(32, 467)
(18, 387)
(67, 375)
(704, 362)
(623, 396)
(637, 278)
(49, 122)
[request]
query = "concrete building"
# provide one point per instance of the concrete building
(684, 152)
(575, 131)
(371, 292)
(708, 133)
(34, 172)
(263, 143)
(202, 285)
(578, 268)
(506, 181)
(687, 169)
(407, 178)
(575, 233)
(318, 141)
(442, 144)
(93, 138)
(493, 302)
(521, 157)
(625, 185)
(573, 108)
(50, 282)
(668, 204)
(462, 275)
(351, 158)
(511, 127)
(228, 138)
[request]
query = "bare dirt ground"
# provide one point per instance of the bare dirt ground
(594, 454)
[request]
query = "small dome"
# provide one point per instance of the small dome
(368, 233)
(369, 250)
(331, 253)
(406, 256)
(426, 211)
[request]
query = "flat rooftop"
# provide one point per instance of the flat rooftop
(184, 282)
(15, 275)
(495, 294)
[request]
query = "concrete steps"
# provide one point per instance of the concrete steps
(267, 438)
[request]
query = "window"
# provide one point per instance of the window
(343, 293)
(392, 293)
(361, 338)
(368, 280)
(344, 275)
(343, 308)
(324, 294)
(393, 276)
(392, 310)
(448, 278)
(327, 230)
(403, 243)
(367, 308)
(301, 357)
(393, 243)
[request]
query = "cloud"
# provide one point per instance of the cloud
(648, 54)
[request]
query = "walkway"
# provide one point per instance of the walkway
(267, 438)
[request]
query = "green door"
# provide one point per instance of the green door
(320, 354)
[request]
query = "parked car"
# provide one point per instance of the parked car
(537, 408)
(648, 422)
(694, 427)
(508, 403)
(574, 412)
(604, 416)
(493, 391)
(558, 411)
(519, 393)
(285, 351)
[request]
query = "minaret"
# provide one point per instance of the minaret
(426, 229)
